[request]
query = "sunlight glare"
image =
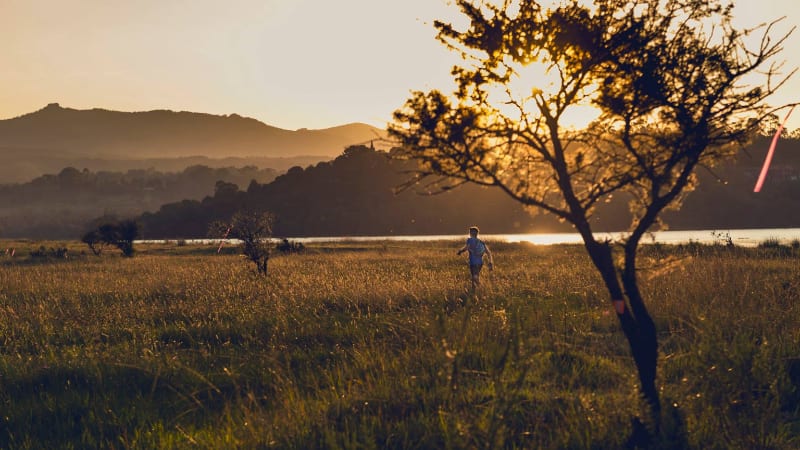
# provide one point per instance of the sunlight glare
(537, 80)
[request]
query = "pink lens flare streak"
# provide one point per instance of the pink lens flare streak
(768, 159)
(223, 239)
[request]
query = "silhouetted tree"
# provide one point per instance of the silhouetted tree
(120, 234)
(127, 231)
(93, 239)
(253, 229)
(667, 80)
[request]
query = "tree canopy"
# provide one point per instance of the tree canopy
(666, 78)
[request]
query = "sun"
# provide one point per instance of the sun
(532, 86)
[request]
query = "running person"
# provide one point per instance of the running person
(477, 249)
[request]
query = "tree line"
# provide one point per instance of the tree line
(64, 205)
(360, 193)
(356, 194)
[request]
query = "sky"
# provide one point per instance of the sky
(288, 63)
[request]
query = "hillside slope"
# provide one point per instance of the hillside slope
(29, 143)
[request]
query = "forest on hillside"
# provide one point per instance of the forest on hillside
(356, 194)
(63, 205)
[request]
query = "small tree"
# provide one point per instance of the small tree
(667, 78)
(93, 240)
(120, 234)
(128, 232)
(253, 229)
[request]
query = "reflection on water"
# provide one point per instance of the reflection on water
(743, 238)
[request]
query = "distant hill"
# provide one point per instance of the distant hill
(353, 195)
(61, 205)
(32, 143)
(725, 199)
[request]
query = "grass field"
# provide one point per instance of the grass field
(380, 345)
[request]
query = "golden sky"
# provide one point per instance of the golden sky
(289, 63)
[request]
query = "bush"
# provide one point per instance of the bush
(286, 246)
(43, 252)
(770, 242)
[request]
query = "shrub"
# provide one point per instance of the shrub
(287, 246)
(43, 252)
(770, 242)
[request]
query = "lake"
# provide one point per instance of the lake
(743, 238)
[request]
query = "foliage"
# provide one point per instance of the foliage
(120, 234)
(669, 94)
(352, 195)
(670, 81)
(287, 246)
(377, 345)
(51, 252)
(59, 205)
(95, 241)
(253, 229)
(336, 189)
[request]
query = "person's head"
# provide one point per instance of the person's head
(473, 231)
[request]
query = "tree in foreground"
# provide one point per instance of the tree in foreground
(253, 229)
(673, 85)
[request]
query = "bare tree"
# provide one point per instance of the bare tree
(253, 229)
(672, 84)
(94, 240)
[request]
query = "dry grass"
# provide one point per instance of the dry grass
(380, 345)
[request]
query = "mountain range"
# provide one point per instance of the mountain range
(55, 137)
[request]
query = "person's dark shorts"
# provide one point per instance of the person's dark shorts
(475, 269)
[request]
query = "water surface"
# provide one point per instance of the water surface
(743, 238)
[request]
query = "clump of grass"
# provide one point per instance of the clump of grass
(770, 242)
(722, 238)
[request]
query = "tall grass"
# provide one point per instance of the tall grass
(383, 346)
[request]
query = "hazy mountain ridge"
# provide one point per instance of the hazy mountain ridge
(28, 141)
(19, 170)
(61, 205)
(354, 194)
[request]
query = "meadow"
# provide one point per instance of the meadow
(381, 345)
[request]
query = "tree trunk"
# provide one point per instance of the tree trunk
(636, 323)
(263, 266)
(642, 337)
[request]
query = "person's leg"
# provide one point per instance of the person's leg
(475, 270)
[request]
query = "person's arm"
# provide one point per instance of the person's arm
(463, 249)
(491, 259)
